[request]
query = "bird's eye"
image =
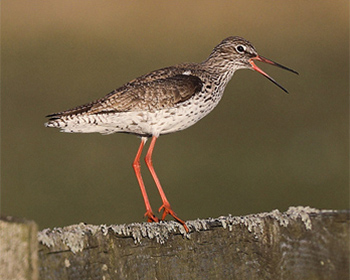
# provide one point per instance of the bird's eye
(240, 48)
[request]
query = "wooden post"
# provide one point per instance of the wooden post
(18, 249)
(301, 243)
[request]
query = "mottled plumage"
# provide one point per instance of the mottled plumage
(164, 101)
(149, 105)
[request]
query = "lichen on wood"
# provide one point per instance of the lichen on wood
(301, 243)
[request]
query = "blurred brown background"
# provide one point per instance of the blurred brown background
(259, 150)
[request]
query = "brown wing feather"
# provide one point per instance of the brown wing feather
(150, 92)
(150, 96)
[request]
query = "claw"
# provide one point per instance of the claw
(168, 211)
(151, 217)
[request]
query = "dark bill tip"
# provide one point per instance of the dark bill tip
(268, 61)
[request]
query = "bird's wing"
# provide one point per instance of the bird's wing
(142, 94)
(155, 95)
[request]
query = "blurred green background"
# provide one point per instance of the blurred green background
(259, 150)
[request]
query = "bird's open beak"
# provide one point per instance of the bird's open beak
(263, 59)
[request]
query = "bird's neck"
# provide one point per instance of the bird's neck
(224, 69)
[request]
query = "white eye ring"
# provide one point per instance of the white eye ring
(241, 49)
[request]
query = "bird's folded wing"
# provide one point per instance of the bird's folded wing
(152, 95)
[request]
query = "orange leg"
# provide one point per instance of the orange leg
(137, 168)
(166, 205)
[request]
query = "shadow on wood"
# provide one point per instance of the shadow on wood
(302, 243)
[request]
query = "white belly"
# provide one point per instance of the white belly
(141, 123)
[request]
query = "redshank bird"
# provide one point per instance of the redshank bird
(164, 101)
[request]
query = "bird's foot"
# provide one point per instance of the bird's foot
(168, 211)
(151, 217)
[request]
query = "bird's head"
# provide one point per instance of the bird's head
(237, 53)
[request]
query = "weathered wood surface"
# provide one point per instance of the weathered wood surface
(302, 243)
(18, 249)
